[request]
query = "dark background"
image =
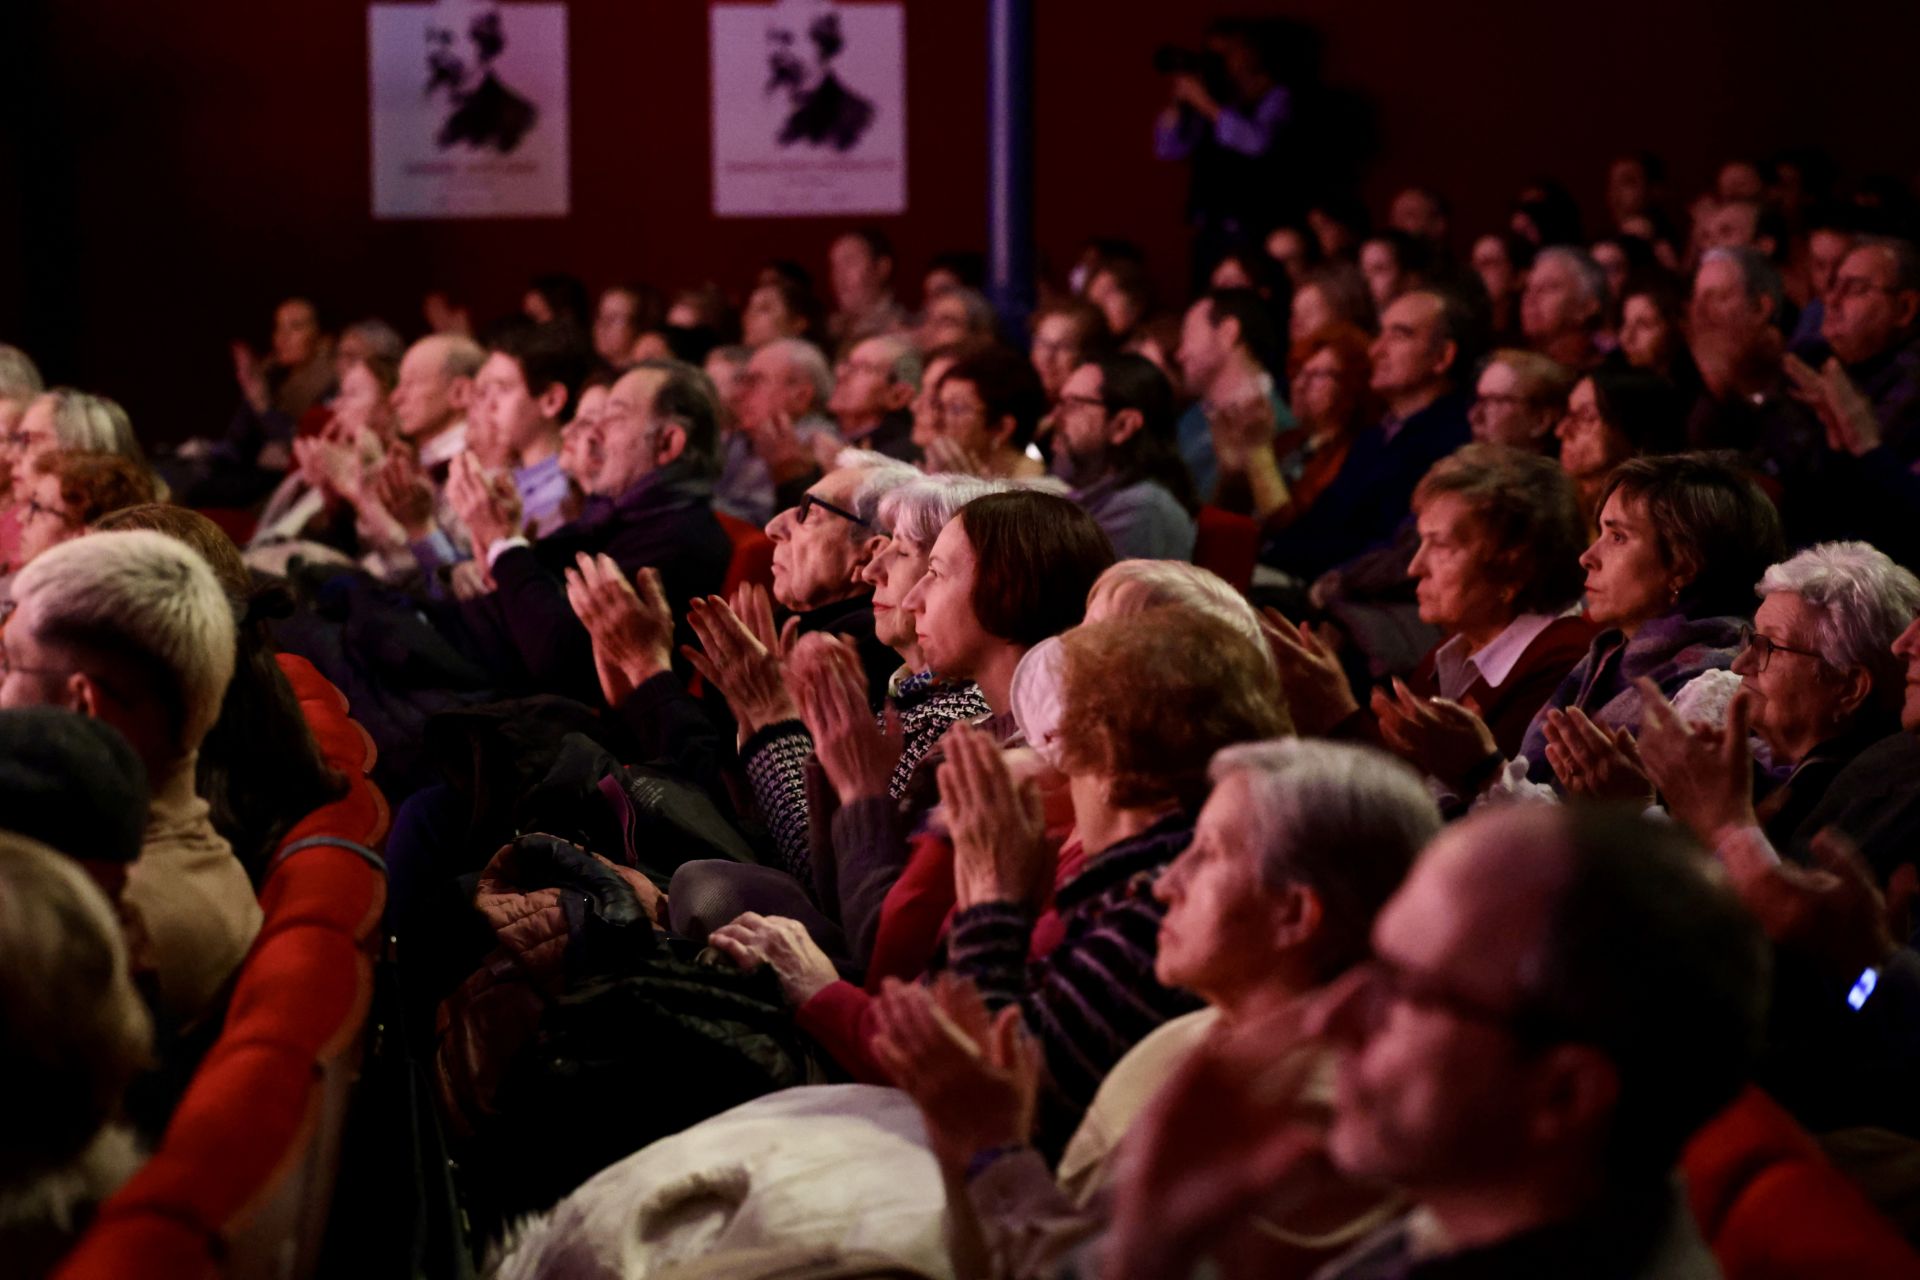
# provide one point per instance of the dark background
(173, 169)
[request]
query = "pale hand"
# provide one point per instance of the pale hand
(1704, 775)
(739, 663)
(631, 630)
(1594, 762)
(857, 755)
(998, 826)
(1318, 695)
(780, 944)
(1436, 735)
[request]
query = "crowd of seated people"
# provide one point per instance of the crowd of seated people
(854, 679)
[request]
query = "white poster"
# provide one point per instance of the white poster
(809, 108)
(469, 102)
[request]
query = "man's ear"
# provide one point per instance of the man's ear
(669, 444)
(898, 396)
(83, 695)
(1906, 305)
(1575, 1096)
(1125, 425)
(552, 400)
(868, 548)
(1449, 352)
(460, 393)
(1002, 431)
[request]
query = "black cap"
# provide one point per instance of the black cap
(72, 783)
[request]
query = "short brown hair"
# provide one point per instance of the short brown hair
(1150, 698)
(92, 484)
(1007, 385)
(1708, 518)
(1527, 505)
(1036, 556)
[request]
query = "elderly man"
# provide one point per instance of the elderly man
(1425, 352)
(1563, 306)
(1558, 999)
(133, 628)
(649, 463)
(770, 456)
(1113, 444)
(1872, 330)
(873, 391)
(860, 266)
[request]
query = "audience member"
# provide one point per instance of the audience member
(779, 309)
(1331, 293)
(1564, 306)
(1611, 417)
(861, 270)
(71, 491)
(873, 393)
(1228, 349)
(1394, 262)
(1113, 445)
(1278, 476)
(954, 314)
(982, 414)
(768, 457)
(1502, 263)
(132, 628)
(1066, 334)
(523, 392)
(1520, 398)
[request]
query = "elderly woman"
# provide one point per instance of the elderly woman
(1819, 684)
(1277, 477)
(1298, 846)
(1681, 540)
(1497, 572)
(1613, 415)
(1146, 701)
(73, 420)
(1329, 294)
(1007, 570)
(69, 491)
(1519, 400)
(74, 1034)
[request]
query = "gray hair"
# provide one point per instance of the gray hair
(980, 317)
(78, 1032)
(800, 354)
(140, 593)
(87, 423)
(382, 339)
(1591, 278)
(1862, 601)
(883, 476)
(1906, 264)
(19, 379)
(903, 360)
(919, 509)
(464, 356)
(1145, 584)
(1345, 820)
(1757, 275)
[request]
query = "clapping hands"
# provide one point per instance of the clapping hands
(632, 630)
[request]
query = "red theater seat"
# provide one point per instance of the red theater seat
(1227, 544)
(1772, 1208)
(241, 1183)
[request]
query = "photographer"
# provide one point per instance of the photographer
(1227, 113)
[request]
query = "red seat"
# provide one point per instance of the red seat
(1772, 1208)
(752, 555)
(242, 1180)
(1228, 544)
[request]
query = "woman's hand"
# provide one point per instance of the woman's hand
(998, 827)
(780, 944)
(1704, 775)
(857, 755)
(735, 658)
(975, 1075)
(1318, 695)
(632, 631)
(1593, 762)
(1442, 737)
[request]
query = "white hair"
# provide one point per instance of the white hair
(881, 476)
(1861, 600)
(87, 423)
(77, 1030)
(812, 364)
(1346, 820)
(141, 591)
(19, 379)
(1588, 273)
(919, 509)
(1139, 585)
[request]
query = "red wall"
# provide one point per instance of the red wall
(181, 166)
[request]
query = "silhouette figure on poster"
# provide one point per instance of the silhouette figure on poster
(825, 112)
(486, 113)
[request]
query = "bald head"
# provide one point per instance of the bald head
(435, 385)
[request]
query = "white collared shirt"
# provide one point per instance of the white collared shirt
(1456, 670)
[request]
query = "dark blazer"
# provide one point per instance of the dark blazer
(1509, 709)
(527, 632)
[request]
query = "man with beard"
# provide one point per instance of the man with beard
(1113, 444)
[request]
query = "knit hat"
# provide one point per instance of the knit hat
(71, 782)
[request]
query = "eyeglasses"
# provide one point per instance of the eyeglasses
(1763, 648)
(808, 502)
(1383, 982)
(960, 409)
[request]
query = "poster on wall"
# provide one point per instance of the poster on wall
(469, 107)
(809, 108)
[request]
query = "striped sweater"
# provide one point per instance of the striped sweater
(1094, 995)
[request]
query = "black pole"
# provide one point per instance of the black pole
(1010, 254)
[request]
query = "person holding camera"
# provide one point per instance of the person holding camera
(1227, 113)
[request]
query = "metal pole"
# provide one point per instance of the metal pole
(1010, 254)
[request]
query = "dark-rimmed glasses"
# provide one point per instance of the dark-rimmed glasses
(1763, 647)
(808, 502)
